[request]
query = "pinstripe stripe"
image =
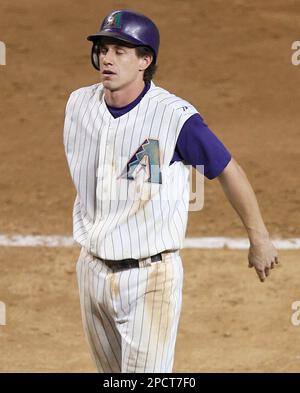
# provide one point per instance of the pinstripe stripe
(98, 351)
(176, 227)
(95, 349)
(177, 305)
(154, 218)
(161, 313)
(169, 207)
(102, 190)
(167, 327)
(130, 335)
(96, 331)
(68, 128)
(80, 228)
(79, 159)
(96, 229)
(171, 227)
(151, 324)
(88, 310)
(97, 159)
(142, 320)
(106, 334)
(77, 220)
(126, 328)
(122, 274)
(180, 218)
(173, 337)
(87, 177)
(109, 329)
(76, 147)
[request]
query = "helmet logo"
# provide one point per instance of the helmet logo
(114, 20)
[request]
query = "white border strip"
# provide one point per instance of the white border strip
(192, 242)
(36, 241)
(237, 243)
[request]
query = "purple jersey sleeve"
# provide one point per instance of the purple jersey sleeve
(198, 145)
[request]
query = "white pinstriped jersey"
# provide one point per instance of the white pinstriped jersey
(130, 202)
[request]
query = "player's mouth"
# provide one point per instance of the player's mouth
(108, 73)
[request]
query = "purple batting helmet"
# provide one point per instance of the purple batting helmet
(128, 26)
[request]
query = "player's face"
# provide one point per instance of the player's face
(120, 66)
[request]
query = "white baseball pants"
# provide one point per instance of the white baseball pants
(130, 317)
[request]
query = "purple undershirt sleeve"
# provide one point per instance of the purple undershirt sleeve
(198, 145)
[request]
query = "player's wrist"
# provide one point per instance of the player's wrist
(258, 236)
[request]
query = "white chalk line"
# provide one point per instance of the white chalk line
(190, 242)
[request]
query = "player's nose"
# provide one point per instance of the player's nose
(108, 58)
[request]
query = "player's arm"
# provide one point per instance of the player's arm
(262, 254)
(198, 145)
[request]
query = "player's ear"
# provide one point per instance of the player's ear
(145, 61)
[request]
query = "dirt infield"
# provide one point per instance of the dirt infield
(234, 64)
(230, 321)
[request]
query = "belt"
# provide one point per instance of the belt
(129, 263)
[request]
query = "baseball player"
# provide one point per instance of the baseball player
(128, 143)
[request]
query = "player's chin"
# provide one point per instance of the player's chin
(109, 84)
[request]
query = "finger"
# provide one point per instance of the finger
(261, 275)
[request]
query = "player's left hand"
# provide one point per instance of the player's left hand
(263, 256)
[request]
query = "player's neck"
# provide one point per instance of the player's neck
(124, 96)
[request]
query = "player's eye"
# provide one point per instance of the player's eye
(103, 51)
(119, 50)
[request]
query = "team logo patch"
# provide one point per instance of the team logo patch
(145, 159)
(114, 20)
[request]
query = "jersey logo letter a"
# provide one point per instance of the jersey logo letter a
(146, 159)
